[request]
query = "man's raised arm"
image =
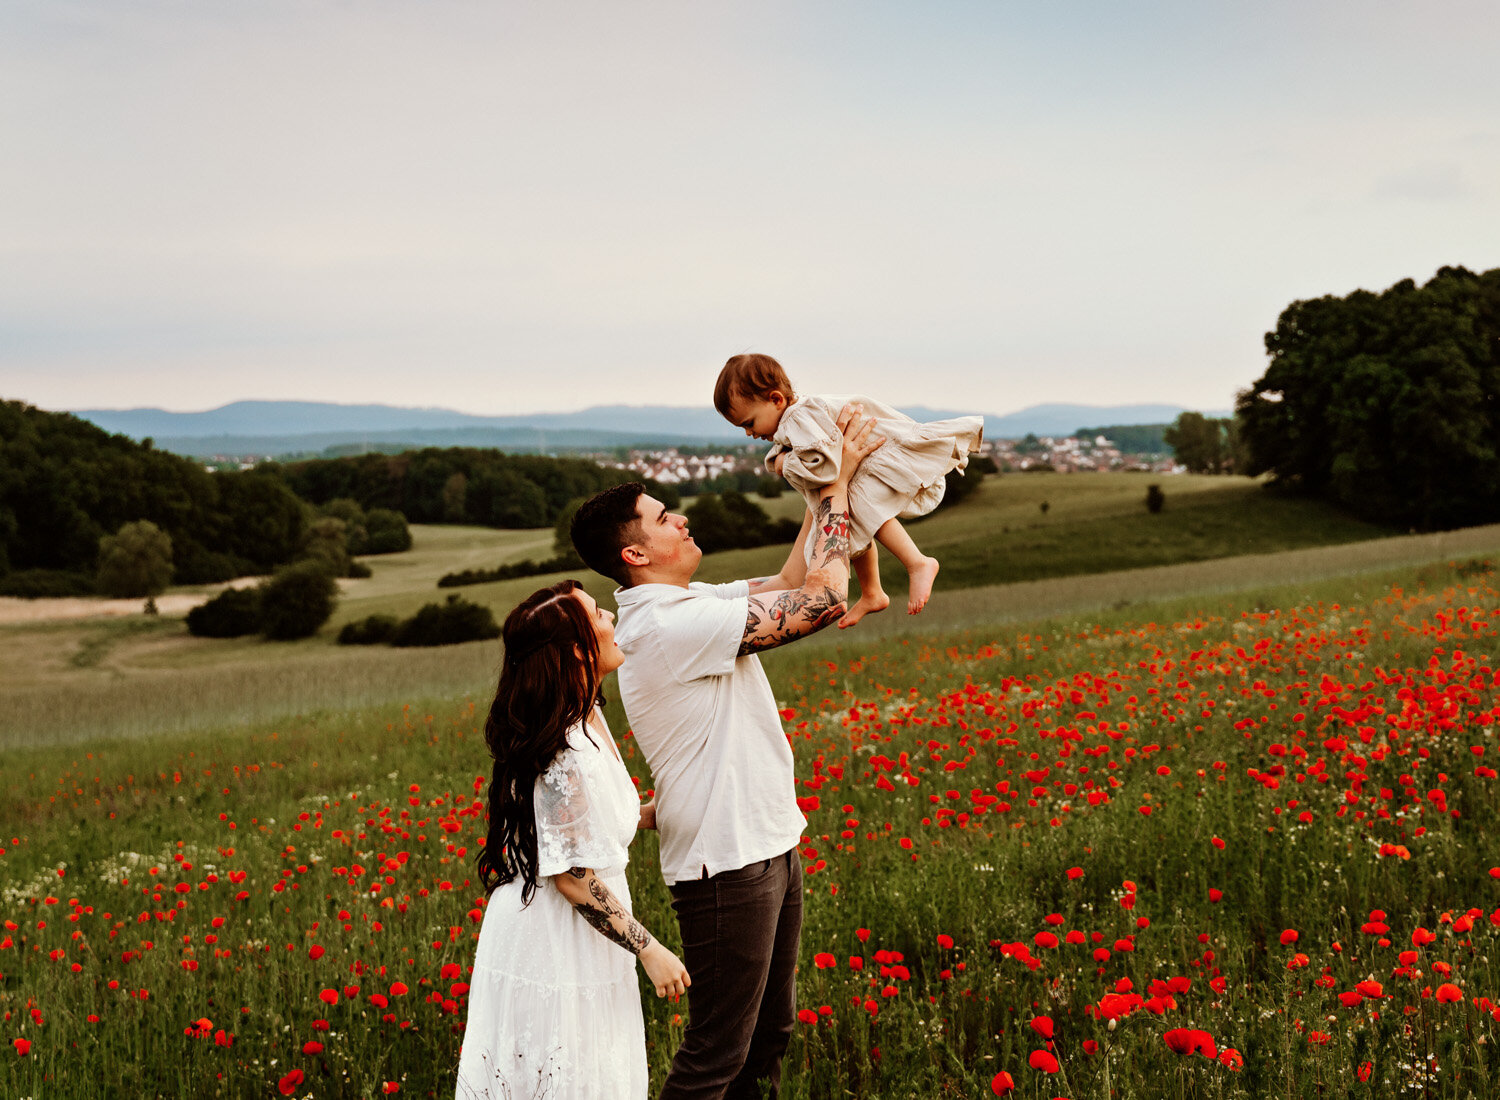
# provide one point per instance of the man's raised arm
(776, 618)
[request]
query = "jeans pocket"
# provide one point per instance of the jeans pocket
(749, 873)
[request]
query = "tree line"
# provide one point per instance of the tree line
(467, 485)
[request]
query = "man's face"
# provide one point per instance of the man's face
(664, 538)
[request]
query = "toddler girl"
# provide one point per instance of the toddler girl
(902, 478)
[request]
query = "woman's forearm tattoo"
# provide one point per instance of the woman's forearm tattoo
(600, 910)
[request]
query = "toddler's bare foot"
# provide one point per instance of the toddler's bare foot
(868, 604)
(922, 578)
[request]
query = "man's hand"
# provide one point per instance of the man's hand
(855, 427)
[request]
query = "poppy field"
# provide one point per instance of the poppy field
(1245, 850)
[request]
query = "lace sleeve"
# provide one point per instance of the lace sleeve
(570, 830)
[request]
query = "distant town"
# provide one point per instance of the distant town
(1070, 454)
(678, 465)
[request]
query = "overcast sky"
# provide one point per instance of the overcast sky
(507, 207)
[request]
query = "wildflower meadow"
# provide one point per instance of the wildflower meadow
(1232, 851)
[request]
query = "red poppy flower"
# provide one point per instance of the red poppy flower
(23, 1046)
(1447, 993)
(1288, 937)
(1002, 1083)
(288, 1084)
(824, 961)
(1042, 1025)
(1186, 1040)
(1043, 1061)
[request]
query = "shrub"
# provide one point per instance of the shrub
(374, 630)
(40, 584)
(458, 620)
(358, 570)
(297, 601)
(1155, 499)
(230, 614)
(386, 531)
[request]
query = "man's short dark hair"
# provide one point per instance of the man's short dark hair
(604, 525)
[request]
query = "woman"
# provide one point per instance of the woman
(554, 1009)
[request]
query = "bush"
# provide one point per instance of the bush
(374, 630)
(230, 614)
(358, 570)
(1155, 499)
(41, 584)
(297, 601)
(449, 623)
(386, 532)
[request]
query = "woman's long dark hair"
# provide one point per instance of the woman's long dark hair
(549, 682)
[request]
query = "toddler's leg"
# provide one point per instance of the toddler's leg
(921, 569)
(872, 597)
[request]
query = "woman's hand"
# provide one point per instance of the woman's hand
(648, 815)
(665, 970)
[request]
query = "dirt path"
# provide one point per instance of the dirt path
(13, 610)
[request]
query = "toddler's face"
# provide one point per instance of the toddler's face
(759, 416)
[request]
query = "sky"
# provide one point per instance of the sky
(512, 207)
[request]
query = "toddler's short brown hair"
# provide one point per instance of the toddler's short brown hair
(750, 376)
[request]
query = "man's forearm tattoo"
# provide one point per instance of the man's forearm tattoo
(830, 534)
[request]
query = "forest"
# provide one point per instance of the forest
(65, 484)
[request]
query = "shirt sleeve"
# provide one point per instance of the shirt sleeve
(568, 831)
(817, 447)
(701, 636)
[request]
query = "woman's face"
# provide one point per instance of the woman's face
(610, 657)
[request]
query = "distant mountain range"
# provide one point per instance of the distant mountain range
(289, 427)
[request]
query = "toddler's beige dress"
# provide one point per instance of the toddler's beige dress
(901, 480)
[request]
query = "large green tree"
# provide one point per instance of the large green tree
(1388, 403)
(1204, 444)
(135, 561)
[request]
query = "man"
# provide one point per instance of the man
(702, 711)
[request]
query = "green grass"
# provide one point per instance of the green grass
(75, 680)
(1186, 706)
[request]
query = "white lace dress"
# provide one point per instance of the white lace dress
(554, 1008)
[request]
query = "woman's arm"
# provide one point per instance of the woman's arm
(597, 904)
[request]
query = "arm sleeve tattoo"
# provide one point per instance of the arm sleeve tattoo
(608, 917)
(822, 597)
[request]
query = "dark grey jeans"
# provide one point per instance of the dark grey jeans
(740, 933)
